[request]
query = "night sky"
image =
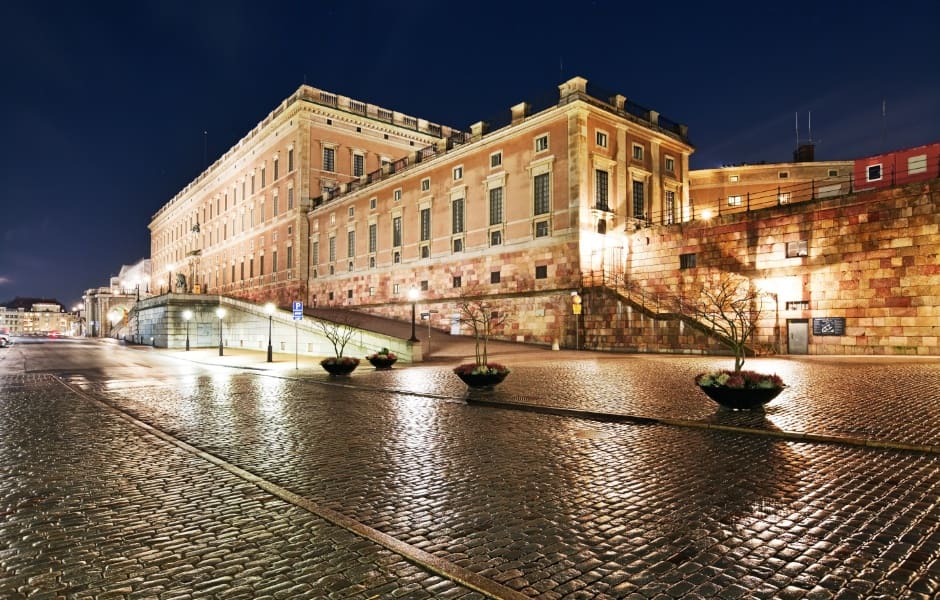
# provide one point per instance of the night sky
(105, 104)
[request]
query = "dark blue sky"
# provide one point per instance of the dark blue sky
(105, 103)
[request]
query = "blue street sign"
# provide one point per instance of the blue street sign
(298, 311)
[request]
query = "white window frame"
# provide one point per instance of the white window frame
(868, 169)
(496, 159)
(639, 152)
(601, 139)
(735, 200)
(669, 165)
(426, 184)
(541, 143)
(458, 173)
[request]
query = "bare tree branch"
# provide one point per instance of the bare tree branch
(731, 307)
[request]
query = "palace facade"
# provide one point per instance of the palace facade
(341, 203)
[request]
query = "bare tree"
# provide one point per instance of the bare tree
(338, 332)
(731, 307)
(478, 315)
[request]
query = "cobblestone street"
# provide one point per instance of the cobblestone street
(716, 504)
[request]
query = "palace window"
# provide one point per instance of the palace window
(541, 143)
(541, 193)
(457, 215)
(425, 224)
(496, 205)
(601, 179)
(329, 159)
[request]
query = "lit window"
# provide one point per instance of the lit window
(541, 143)
(783, 198)
(734, 200)
(797, 249)
(669, 212)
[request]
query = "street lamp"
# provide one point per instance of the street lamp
(220, 313)
(187, 315)
(269, 308)
(413, 295)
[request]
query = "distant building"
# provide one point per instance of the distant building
(106, 309)
(33, 316)
(743, 188)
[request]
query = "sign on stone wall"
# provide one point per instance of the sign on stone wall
(829, 326)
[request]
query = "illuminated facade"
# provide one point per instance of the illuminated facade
(240, 228)
(340, 203)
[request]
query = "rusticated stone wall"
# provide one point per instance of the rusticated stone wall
(871, 258)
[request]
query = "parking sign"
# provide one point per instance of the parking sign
(298, 311)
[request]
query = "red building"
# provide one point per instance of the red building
(898, 167)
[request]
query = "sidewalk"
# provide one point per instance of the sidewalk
(891, 402)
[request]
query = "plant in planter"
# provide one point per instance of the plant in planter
(478, 315)
(338, 333)
(731, 307)
(383, 359)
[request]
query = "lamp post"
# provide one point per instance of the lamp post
(187, 315)
(413, 295)
(220, 313)
(269, 308)
(576, 311)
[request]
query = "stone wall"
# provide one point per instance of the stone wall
(872, 259)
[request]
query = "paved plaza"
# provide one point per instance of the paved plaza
(167, 474)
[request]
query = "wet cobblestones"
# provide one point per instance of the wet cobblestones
(883, 399)
(566, 508)
(92, 507)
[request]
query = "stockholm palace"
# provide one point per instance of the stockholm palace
(344, 204)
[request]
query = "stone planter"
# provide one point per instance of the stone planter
(481, 380)
(382, 362)
(341, 368)
(740, 398)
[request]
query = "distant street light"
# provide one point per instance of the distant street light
(269, 308)
(220, 313)
(187, 315)
(413, 295)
